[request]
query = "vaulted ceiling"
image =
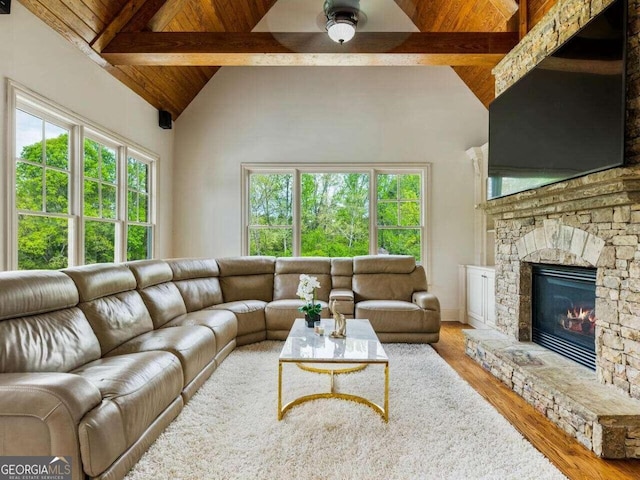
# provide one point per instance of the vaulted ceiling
(167, 50)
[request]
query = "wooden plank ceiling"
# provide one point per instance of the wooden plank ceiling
(170, 68)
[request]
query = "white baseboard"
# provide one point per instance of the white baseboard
(449, 314)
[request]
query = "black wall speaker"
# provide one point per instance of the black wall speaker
(164, 118)
(5, 6)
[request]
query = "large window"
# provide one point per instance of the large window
(271, 214)
(82, 194)
(42, 175)
(139, 226)
(335, 211)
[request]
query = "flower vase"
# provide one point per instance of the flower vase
(310, 319)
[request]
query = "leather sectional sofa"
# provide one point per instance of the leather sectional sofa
(96, 361)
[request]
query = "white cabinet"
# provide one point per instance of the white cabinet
(480, 301)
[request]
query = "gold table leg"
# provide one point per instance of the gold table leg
(280, 412)
(386, 392)
(382, 411)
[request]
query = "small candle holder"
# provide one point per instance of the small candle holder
(318, 328)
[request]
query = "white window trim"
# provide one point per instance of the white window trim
(20, 96)
(372, 169)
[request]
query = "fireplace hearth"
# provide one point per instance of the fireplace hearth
(563, 311)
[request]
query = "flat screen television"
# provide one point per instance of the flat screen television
(565, 118)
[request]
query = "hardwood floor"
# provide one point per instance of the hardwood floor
(571, 458)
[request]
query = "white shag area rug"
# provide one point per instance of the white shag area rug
(439, 427)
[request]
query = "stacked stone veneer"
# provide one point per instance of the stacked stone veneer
(599, 417)
(589, 221)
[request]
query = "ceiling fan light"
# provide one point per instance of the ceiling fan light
(341, 25)
(341, 31)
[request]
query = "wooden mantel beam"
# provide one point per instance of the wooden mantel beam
(296, 48)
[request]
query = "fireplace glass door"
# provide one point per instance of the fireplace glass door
(563, 308)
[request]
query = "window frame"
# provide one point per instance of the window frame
(21, 97)
(141, 157)
(372, 169)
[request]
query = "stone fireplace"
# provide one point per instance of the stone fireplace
(563, 313)
(591, 223)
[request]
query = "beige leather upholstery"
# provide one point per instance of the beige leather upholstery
(164, 303)
(389, 286)
(250, 315)
(239, 266)
(395, 299)
(341, 272)
(281, 313)
(117, 318)
(150, 272)
(188, 268)
(50, 342)
(194, 346)
(197, 281)
(343, 301)
(199, 293)
(29, 293)
(288, 271)
(40, 412)
(427, 301)
(246, 278)
(247, 287)
(378, 264)
(167, 308)
(136, 389)
(223, 324)
(407, 317)
(101, 280)
(49, 336)
(114, 309)
(128, 459)
(138, 340)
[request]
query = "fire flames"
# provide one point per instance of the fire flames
(580, 320)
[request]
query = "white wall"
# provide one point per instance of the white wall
(314, 114)
(36, 56)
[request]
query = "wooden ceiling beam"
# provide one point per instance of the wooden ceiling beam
(296, 48)
(523, 18)
(126, 13)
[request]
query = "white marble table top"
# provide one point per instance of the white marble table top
(360, 346)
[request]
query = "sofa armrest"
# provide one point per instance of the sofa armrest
(426, 301)
(343, 299)
(42, 411)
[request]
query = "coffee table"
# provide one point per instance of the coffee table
(333, 356)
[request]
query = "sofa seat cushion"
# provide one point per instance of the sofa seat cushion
(250, 314)
(135, 389)
(280, 314)
(392, 315)
(194, 346)
(223, 323)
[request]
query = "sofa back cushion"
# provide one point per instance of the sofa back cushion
(288, 271)
(247, 278)
(41, 329)
(160, 295)
(197, 281)
(150, 272)
(393, 277)
(341, 272)
(111, 304)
